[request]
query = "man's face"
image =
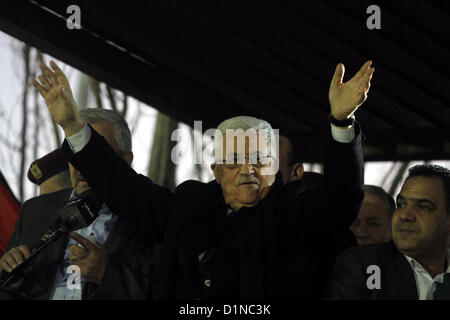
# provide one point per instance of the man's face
(243, 184)
(288, 172)
(105, 129)
(421, 225)
(373, 224)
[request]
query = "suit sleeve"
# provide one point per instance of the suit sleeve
(336, 203)
(132, 196)
(348, 279)
(16, 238)
(120, 282)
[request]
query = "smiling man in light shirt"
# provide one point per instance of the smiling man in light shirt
(421, 226)
(416, 264)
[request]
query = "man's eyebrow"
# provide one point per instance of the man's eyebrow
(418, 200)
(373, 218)
(233, 154)
(426, 201)
(258, 154)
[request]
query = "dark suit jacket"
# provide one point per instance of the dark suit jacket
(349, 276)
(280, 247)
(127, 275)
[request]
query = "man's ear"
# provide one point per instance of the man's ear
(297, 171)
(217, 172)
(128, 158)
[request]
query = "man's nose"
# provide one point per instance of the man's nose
(360, 230)
(246, 168)
(407, 213)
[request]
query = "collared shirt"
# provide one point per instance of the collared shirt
(99, 231)
(426, 285)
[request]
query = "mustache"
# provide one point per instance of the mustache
(247, 179)
(406, 226)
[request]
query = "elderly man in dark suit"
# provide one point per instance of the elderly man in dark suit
(239, 236)
(114, 262)
(416, 264)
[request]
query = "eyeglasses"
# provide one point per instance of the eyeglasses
(253, 161)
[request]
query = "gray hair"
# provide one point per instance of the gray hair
(122, 134)
(245, 123)
(378, 191)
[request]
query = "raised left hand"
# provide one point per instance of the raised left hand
(92, 259)
(345, 98)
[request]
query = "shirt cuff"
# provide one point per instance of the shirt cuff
(79, 139)
(343, 135)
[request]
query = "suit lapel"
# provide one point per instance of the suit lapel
(118, 238)
(47, 209)
(401, 275)
(54, 250)
(55, 256)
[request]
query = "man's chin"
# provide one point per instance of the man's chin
(364, 242)
(249, 201)
(405, 246)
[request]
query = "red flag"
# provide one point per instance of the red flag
(9, 211)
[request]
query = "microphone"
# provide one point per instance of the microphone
(80, 212)
(75, 215)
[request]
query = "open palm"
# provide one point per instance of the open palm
(345, 98)
(54, 87)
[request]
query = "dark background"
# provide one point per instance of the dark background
(209, 60)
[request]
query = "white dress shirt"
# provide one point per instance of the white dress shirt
(426, 285)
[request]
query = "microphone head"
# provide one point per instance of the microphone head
(92, 201)
(81, 212)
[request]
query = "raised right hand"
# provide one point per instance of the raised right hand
(14, 257)
(346, 97)
(54, 87)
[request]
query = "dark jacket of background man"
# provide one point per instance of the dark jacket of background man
(349, 280)
(272, 250)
